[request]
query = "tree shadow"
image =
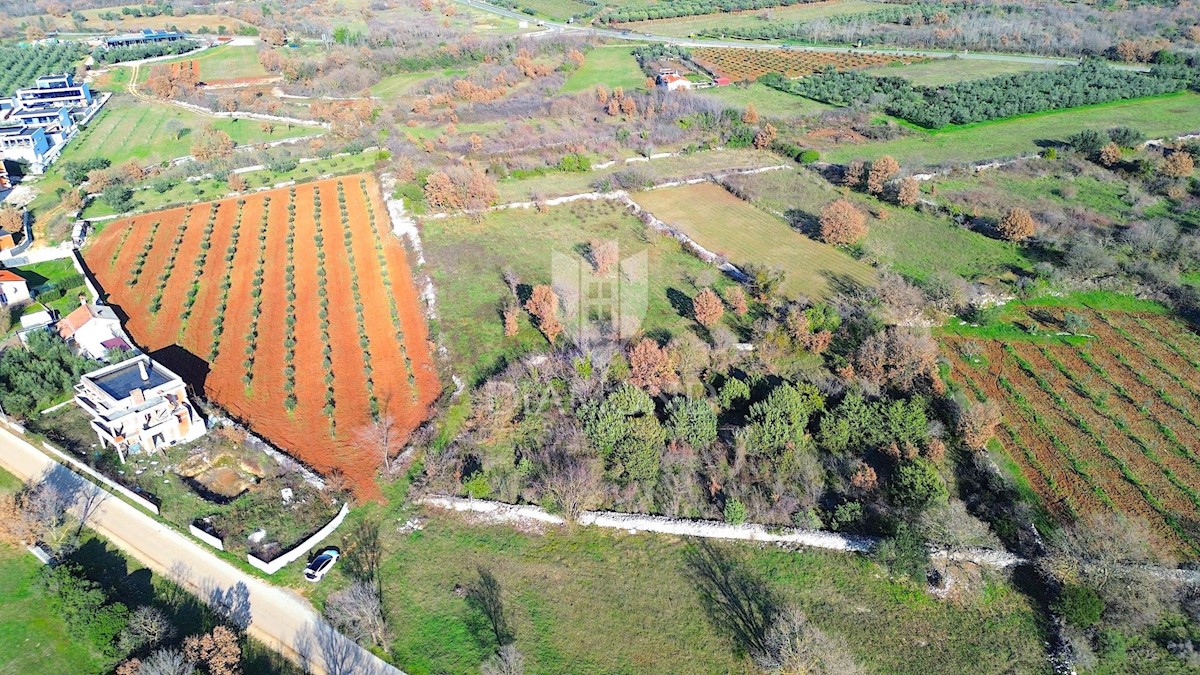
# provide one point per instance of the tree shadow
(110, 569)
(804, 222)
(680, 302)
(842, 283)
(321, 648)
(738, 603)
(232, 604)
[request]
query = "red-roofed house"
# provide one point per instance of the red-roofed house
(89, 327)
(14, 289)
(671, 80)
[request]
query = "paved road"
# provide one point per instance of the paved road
(706, 42)
(278, 617)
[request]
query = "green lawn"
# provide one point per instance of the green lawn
(128, 128)
(557, 10)
(225, 62)
(1170, 115)
(611, 602)
(687, 26)
(212, 189)
(912, 243)
(42, 275)
(744, 234)
(401, 83)
(768, 101)
(612, 66)
(938, 72)
(467, 260)
(33, 640)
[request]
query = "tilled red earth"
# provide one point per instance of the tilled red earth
(328, 443)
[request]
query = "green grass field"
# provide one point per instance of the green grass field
(557, 10)
(914, 244)
(131, 129)
(592, 601)
(612, 66)
(690, 25)
(211, 188)
(401, 83)
(1170, 115)
(467, 260)
(769, 102)
(225, 62)
(666, 168)
(33, 641)
(744, 234)
(938, 72)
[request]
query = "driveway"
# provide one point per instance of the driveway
(278, 617)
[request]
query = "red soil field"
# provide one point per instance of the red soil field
(1137, 401)
(307, 433)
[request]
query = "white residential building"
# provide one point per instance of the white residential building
(89, 327)
(138, 405)
(14, 289)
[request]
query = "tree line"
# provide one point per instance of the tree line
(975, 101)
(137, 52)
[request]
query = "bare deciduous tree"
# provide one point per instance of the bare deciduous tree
(1017, 225)
(357, 612)
(507, 661)
(977, 423)
(794, 645)
(166, 662)
(382, 438)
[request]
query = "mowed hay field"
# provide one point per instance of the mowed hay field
(293, 309)
(226, 62)
(744, 234)
(1098, 424)
(939, 72)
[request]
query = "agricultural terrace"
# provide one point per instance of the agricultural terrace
(468, 258)
(747, 65)
(1105, 421)
(218, 64)
(239, 297)
(917, 245)
(612, 66)
(938, 72)
(743, 234)
(1158, 117)
(687, 26)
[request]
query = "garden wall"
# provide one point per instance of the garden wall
(80, 467)
(206, 537)
(307, 545)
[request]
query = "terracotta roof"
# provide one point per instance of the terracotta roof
(6, 275)
(83, 314)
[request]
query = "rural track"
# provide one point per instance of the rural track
(279, 617)
(634, 36)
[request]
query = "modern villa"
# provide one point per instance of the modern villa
(138, 405)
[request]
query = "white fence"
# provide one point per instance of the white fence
(206, 537)
(80, 467)
(306, 546)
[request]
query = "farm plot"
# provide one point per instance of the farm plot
(744, 234)
(291, 309)
(747, 65)
(1101, 424)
